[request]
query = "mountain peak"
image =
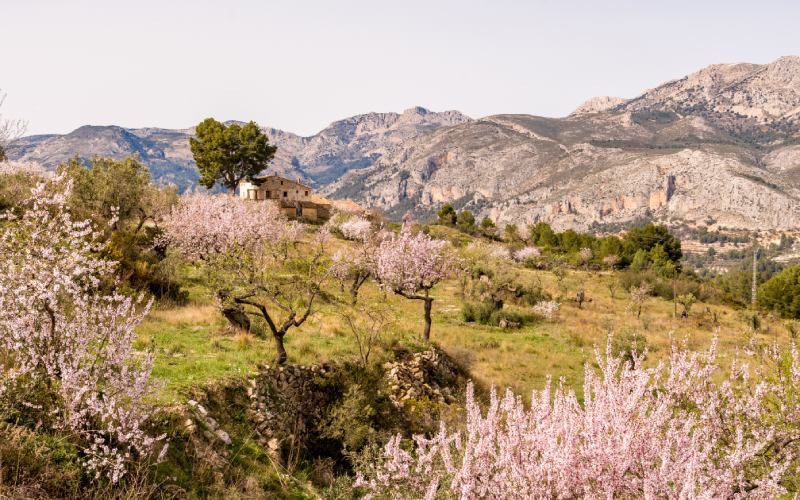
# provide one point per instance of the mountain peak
(597, 105)
(764, 92)
(416, 110)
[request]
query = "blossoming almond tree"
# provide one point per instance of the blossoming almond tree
(526, 253)
(672, 431)
(254, 257)
(356, 228)
(356, 263)
(67, 361)
(410, 265)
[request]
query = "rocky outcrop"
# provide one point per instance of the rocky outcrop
(597, 105)
(766, 92)
(686, 151)
(427, 375)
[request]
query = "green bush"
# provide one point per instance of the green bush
(488, 314)
(782, 293)
(480, 312)
(629, 344)
(510, 316)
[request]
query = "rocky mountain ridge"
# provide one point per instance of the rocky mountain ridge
(720, 146)
(354, 142)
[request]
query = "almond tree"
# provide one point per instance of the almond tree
(67, 361)
(355, 265)
(255, 261)
(9, 130)
(677, 430)
(585, 255)
(526, 253)
(356, 228)
(410, 265)
(639, 294)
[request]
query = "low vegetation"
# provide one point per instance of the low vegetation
(153, 345)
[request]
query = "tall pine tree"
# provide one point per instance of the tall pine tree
(226, 154)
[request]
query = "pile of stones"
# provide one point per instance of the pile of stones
(420, 375)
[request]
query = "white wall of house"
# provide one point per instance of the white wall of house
(275, 188)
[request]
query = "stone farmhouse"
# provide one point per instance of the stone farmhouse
(294, 198)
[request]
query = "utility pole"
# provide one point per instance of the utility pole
(755, 274)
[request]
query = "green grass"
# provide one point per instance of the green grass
(193, 345)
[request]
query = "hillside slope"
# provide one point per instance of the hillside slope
(719, 145)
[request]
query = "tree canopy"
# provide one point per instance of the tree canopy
(447, 215)
(226, 154)
(782, 293)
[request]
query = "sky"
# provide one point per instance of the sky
(299, 65)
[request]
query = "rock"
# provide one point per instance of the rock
(223, 436)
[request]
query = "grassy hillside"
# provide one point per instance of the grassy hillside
(195, 346)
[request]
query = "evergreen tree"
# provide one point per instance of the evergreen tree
(447, 215)
(782, 293)
(650, 235)
(466, 221)
(226, 154)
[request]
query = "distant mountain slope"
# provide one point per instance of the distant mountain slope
(720, 145)
(346, 144)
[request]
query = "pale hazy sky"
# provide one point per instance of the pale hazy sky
(298, 65)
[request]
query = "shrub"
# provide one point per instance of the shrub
(447, 215)
(466, 221)
(480, 312)
(510, 317)
(782, 293)
(629, 345)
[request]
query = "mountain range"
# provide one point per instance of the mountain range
(719, 147)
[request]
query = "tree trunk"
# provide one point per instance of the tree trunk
(237, 318)
(281, 350)
(428, 305)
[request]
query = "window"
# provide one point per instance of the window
(251, 194)
(306, 193)
(285, 193)
(281, 183)
(266, 195)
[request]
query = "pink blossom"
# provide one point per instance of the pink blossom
(201, 226)
(547, 308)
(671, 431)
(356, 228)
(69, 338)
(526, 253)
(410, 265)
